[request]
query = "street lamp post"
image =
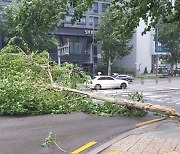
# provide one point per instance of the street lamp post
(135, 69)
(156, 49)
(93, 64)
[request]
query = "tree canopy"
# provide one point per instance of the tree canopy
(31, 20)
(169, 36)
(113, 37)
(151, 11)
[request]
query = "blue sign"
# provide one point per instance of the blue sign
(160, 47)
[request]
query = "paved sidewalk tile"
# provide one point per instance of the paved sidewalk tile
(159, 138)
(139, 144)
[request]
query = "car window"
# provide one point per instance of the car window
(105, 78)
(109, 78)
(102, 78)
(93, 77)
(114, 76)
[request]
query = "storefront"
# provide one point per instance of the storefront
(77, 47)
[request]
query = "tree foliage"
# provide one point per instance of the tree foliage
(151, 11)
(24, 83)
(113, 37)
(34, 18)
(25, 74)
(31, 20)
(169, 36)
(24, 87)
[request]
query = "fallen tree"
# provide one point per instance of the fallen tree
(120, 101)
(25, 79)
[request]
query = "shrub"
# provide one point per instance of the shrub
(117, 69)
(145, 70)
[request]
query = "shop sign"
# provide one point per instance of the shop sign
(88, 32)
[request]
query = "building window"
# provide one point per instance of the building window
(75, 62)
(6, 0)
(94, 8)
(93, 21)
(75, 45)
(95, 59)
(82, 21)
(104, 6)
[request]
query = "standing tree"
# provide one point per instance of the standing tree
(150, 11)
(111, 34)
(31, 20)
(169, 36)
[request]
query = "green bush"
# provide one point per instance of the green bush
(117, 69)
(145, 70)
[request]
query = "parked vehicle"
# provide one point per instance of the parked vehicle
(123, 77)
(105, 82)
(176, 72)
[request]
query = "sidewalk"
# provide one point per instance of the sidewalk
(157, 138)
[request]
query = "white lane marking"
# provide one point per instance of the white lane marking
(169, 102)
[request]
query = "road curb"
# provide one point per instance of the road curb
(124, 135)
(150, 121)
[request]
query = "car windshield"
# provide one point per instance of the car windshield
(114, 76)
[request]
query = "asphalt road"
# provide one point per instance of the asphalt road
(24, 135)
(165, 92)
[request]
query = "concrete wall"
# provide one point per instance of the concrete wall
(143, 48)
(129, 60)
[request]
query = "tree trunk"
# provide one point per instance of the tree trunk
(109, 66)
(128, 103)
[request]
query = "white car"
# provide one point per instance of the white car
(123, 77)
(105, 82)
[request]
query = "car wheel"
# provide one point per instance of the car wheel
(97, 87)
(123, 86)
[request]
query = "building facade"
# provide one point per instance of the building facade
(142, 52)
(76, 42)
